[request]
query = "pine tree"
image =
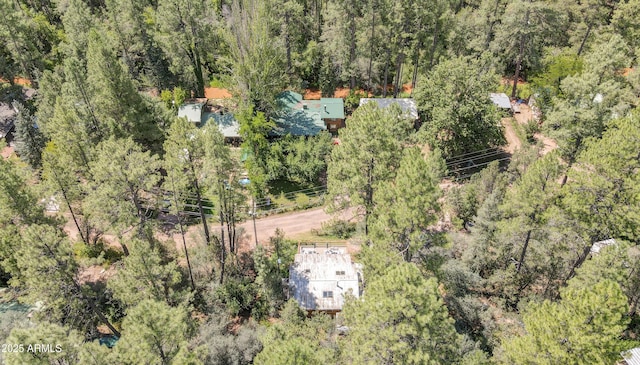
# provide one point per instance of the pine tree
(400, 319)
(155, 333)
(564, 332)
(29, 139)
(119, 195)
(408, 205)
(146, 274)
(368, 154)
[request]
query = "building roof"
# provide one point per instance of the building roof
(192, 111)
(408, 106)
(298, 123)
(227, 123)
(315, 272)
(631, 357)
(501, 100)
(597, 246)
(289, 99)
(7, 118)
(305, 117)
(329, 108)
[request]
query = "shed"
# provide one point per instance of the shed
(408, 106)
(227, 124)
(191, 111)
(501, 100)
(321, 278)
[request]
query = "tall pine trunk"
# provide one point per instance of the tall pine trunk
(386, 73)
(184, 241)
(516, 75)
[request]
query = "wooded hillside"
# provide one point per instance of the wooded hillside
(129, 234)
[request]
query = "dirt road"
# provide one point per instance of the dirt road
(291, 224)
(522, 118)
(513, 142)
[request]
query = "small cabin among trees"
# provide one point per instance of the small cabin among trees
(308, 117)
(202, 111)
(321, 277)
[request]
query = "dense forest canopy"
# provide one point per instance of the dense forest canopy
(129, 234)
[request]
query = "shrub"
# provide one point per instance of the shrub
(303, 201)
(530, 129)
(338, 228)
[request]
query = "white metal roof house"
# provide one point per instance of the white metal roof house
(501, 100)
(321, 278)
(191, 111)
(408, 106)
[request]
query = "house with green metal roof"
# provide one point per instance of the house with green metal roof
(308, 117)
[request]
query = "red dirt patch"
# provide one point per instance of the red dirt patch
(312, 94)
(216, 93)
(19, 81)
(6, 152)
(343, 92)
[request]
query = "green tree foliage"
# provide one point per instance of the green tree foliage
(183, 160)
(254, 129)
(527, 212)
(257, 59)
(187, 33)
(155, 333)
(625, 22)
(368, 154)
(118, 197)
(618, 263)
(146, 274)
(223, 347)
(565, 332)
(526, 27)
(302, 160)
(298, 340)
(400, 319)
(29, 138)
(48, 272)
(408, 205)
(28, 41)
(590, 99)
(60, 178)
(134, 39)
(603, 193)
(122, 111)
(454, 106)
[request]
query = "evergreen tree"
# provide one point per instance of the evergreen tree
(368, 154)
(118, 198)
(408, 205)
(457, 116)
(400, 319)
(29, 138)
(187, 33)
(564, 332)
(146, 274)
(155, 333)
(298, 339)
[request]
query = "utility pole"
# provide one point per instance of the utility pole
(253, 215)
